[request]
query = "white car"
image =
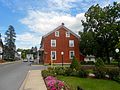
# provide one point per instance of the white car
(25, 60)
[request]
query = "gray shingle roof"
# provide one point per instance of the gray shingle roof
(61, 26)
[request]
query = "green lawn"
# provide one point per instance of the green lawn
(90, 84)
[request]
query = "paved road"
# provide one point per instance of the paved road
(12, 75)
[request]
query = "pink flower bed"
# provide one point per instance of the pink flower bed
(54, 84)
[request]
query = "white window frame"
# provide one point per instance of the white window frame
(67, 34)
(71, 41)
(71, 57)
(1, 49)
(53, 41)
(57, 33)
(51, 55)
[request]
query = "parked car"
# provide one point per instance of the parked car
(25, 60)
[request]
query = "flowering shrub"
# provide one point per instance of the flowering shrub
(54, 84)
(50, 78)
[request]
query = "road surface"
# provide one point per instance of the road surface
(12, 75)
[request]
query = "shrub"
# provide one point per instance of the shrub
(54, 84)
(83, 73)
(113, 73)
(99, 69)
(75, 64)
(117, 78)
(46, 73)
(100, 73)
(74, 73)
(68, 72)
(60, 70)
(99, 64)
(71, 72)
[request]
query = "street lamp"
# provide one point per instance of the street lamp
(62, 53)
(117, 51)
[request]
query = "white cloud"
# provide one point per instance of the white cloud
(61, 4)
(43, 22)
(25, 37)
(27, 40)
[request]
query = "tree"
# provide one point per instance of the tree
(24, 53)
(88, 45)
(103, 22)
(10, 46)
(75, 64)
(34, 52)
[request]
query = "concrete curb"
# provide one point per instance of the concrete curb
(24, 82)
(33, 81)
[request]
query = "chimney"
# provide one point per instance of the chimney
(63, 24)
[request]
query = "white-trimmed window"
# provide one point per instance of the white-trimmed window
(67, 34)
(71, 43)
(72, 54)
(53, 55)
(57, 33)
(1, 50)
(53, 43)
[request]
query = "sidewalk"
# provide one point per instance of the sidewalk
(33, 81)
(10, 62)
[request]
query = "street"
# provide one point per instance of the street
(13, 75)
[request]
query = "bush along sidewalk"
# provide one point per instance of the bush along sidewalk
(100, 71)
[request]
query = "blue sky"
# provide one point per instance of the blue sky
(34, 18)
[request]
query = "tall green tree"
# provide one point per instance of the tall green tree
(104, 23)
(87, 43)
(10, 46)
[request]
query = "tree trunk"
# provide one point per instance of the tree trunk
(107, 55)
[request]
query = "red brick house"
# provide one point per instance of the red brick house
(59, 46)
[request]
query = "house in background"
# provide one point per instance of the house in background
(30, 57)
(59, 46)
(17, 55)
(89, 58)
(1, 48)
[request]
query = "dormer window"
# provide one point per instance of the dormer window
(57, 33)
(67, 34)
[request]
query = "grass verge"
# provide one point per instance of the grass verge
(89, 83)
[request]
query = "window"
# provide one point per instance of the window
(72, 54)
(53, 55)
(71, 43)
(53, 43)
(57, 33)
(67, 34)
(0, 49)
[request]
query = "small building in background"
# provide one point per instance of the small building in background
(89, 58)
(1, 48)
(30, 58)
(18, 55)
